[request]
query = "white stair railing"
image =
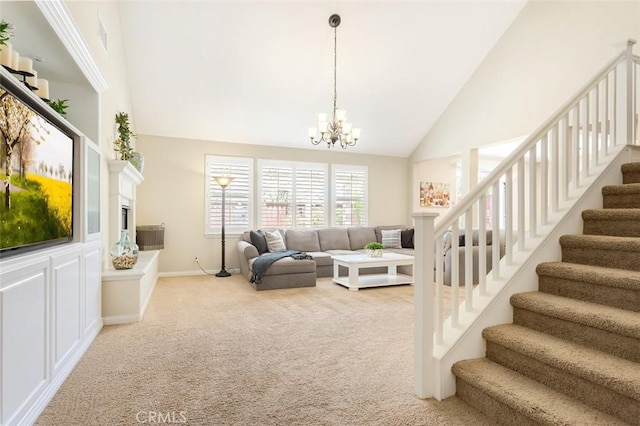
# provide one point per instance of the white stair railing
(525, 194)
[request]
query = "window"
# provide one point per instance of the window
(349, 199)
(292, 195)
(238, 195)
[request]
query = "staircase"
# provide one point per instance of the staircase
(572, 354)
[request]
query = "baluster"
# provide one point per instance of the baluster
(606, 129)
(614, 107)
(585, 137)
(565, 155)
(521, 199)
(595, 129)
(455, 276)
(533, 214)
(544, 180)
(508, 217)
(468, 259)
(482, 243)
(439, 297)
(495, 230)
(556, 185)
(575, 144)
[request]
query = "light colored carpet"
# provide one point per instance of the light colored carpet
(213, 351)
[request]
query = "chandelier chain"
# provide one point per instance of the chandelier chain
(335, 72)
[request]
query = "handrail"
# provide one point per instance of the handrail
(468, 200)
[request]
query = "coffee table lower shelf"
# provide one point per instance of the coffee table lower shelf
(374, 280)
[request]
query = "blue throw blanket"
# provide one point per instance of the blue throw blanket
(262, 263)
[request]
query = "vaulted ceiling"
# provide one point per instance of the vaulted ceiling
(259, 72)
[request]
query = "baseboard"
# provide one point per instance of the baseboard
(121, 319)
(195, 272)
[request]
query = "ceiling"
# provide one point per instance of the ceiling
(259, 72)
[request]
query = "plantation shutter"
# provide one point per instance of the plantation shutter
(349, 195)
(292, 195)
(311, 196)
(238, 195)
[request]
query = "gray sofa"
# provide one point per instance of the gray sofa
(462, 240)
(321, 244)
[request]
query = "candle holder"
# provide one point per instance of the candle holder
(23, 79)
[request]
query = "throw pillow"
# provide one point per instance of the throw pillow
(275, 242)
(391, 238)
(406, 238)
(259, 240)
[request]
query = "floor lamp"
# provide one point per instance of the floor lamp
(223, 181)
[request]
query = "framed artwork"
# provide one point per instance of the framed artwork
(434, 194)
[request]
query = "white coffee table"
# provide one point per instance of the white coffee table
(355, 262)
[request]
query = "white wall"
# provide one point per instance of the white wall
(116, 98)
(550, 51)
(173, 193)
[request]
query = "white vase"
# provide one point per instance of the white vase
(137, 159)
(374, 252)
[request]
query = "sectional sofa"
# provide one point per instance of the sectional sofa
(321, 244)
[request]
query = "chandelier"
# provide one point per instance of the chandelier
(338, 129)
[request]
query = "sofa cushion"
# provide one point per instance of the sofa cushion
(321, 258)
(341, 252)
(288, 265)
(360, 236)
(275, 242)
(391, 238)
(379, 229)
(334, 239)
(259, 240)
(406, 238)
(302, 240)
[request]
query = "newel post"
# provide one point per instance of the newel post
(425, 383)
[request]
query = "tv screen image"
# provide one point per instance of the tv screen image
(36, 194)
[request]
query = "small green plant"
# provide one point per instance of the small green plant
(373, 246)
(123, 143)
(60, 106)
(5, 33)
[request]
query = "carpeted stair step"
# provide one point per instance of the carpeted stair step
(612, 287)
(600, 250)
(613, 222)
(606, 382)
(625, 196)
(513, 399)
(630, 173)
(611, 330)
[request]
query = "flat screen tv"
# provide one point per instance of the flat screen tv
(36, 168)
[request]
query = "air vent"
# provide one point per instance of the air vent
(102, 33)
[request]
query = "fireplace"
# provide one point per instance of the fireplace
(124, 178)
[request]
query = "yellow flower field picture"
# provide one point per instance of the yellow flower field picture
(36, 164)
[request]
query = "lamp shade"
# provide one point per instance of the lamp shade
(223, 181)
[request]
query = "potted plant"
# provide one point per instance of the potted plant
(123, 142)
(5, 33)
(60, 106)
(374, 249)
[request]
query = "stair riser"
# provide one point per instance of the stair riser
(617, 297)
(631, 177)
(611, 343)
(490, 407)
(629, 260)
(595, 395)
(622, 201)
(613, 228)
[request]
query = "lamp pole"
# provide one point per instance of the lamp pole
(223, 181)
